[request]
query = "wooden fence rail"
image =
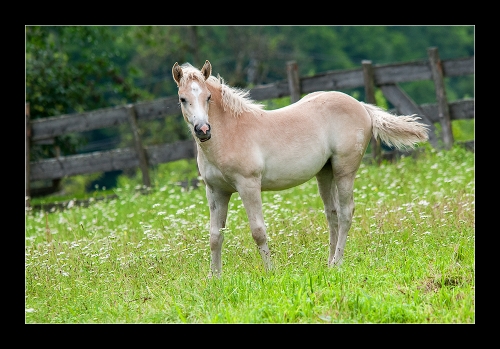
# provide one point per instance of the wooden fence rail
(386, 77)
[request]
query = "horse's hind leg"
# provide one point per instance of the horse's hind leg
(345, 211)
(217, 202)
(328, 192)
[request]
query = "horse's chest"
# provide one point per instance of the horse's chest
(216, 176)
(227, 171)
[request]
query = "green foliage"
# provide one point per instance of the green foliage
(76, 184)
(73, 69)
(463, 130)
(171, 172)
(276, 103)
(73, 188)
(69, 69)
(176, 171)
(380, 99)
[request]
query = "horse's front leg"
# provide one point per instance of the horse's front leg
(218, 202)
(250, 193)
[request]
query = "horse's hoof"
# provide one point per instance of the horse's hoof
(335, 263)
(213, 275)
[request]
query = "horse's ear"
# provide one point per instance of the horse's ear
(207, 69)
(177, 73)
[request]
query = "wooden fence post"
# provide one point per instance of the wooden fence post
(292, 72)
(370, 98)
(27, 148)
(442, 101)
(139, 149)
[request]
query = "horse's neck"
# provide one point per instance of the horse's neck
(224, 129)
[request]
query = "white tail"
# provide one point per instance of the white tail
(398, 131)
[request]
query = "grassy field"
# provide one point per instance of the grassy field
(144, 258)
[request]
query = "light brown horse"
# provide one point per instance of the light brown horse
(246, 149)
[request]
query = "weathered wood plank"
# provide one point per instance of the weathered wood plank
(336, 80)
(402, 72)
(79, 122)
(104, 161)
(458, 67)
(385, 74)
(159, 154)
(100, 118)
(158, 108)
(269, 91)
(462, 109)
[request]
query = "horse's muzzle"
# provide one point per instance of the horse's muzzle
(203, 132)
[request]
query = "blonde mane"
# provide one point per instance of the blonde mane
(234, 99)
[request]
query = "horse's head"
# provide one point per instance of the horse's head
(194, 97)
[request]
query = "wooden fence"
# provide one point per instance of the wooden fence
(386, 77)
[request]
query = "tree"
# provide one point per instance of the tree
(74, 69)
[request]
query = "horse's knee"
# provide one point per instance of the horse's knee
(259, 235)
(216, 240)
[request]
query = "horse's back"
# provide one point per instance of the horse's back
(333, 101)
(339, 116)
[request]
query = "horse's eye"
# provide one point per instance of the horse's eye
(208, 98)
(183, 100)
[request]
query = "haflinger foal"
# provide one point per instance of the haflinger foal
(244, 148)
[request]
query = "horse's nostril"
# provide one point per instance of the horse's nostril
(203, 129)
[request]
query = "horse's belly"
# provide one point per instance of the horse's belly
(286, 173)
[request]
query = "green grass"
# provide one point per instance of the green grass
(409, 258)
